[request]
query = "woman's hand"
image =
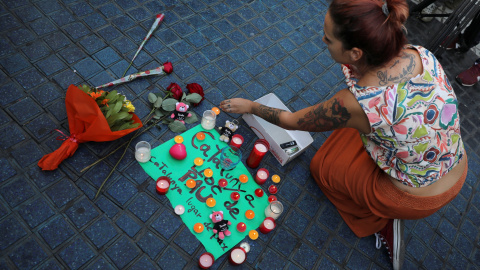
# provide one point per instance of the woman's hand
(236, 105)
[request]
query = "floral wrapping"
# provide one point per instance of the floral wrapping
(415, 127)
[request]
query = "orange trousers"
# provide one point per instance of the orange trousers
(362, 192)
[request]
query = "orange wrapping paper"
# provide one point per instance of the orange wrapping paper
(86, 123)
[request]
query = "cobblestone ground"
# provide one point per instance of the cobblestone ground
(233, 48)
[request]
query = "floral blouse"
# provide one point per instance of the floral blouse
(415, 126)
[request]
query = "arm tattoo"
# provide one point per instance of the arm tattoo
(272, 115)
(325, 116)
(385, 78)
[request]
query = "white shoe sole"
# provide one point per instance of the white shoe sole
(398, 244)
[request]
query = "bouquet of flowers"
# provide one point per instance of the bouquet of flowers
(93, 115)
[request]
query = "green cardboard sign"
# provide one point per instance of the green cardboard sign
(196, 210)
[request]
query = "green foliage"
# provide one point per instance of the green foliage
(194, 98)
(169, 104)
(177, 126)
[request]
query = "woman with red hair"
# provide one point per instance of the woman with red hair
(396, 151)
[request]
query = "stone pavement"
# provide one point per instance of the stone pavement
(233, 48)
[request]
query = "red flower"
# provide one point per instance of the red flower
(167, 67)
(196, 88)
(177, 92)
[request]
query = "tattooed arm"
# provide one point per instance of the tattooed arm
(342, 110)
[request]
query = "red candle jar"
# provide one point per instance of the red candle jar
(235, 196)
(237, 256)
(206, 260)
(267, 225)
(241, 227)
(163, 184)
(261, 176)
(237, 140)
(260, 149)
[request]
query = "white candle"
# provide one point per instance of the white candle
(237, 140)
(262, 174)
(274, 209)
(245, 246)
(237, 256)
(260, 147)
(163, 184)
(268, 224)
(206, 260)
(142, 154)
(208, 123)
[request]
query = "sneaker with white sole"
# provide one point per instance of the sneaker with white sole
(470, 76)
(392, 237)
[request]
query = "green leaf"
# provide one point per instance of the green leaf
(152, 97)
(167, 121)
(192, 119)
(169, 104)
(194, 98)
(159, 113)
(118, 106)
(109, 111)
(158, 103)
(177, 126)
(111, 95)
(118, 116)
(184, 95)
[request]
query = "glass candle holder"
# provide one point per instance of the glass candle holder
(230, 157)
(274, 209)
(143, 151)
(260, 149)
(163, 184)
(206, 260)
(208, 119)
(261, 176)
(267, 225)
(238, 256)
(237, 140)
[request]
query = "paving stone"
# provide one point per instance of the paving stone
(81, 212)
(36, 212)
(28, 255)
(101, 232)
(83, 253)
(12, 232)
(172, 260)
(56, 232)
(122, 252)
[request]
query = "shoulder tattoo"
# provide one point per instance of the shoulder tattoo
(404, 75)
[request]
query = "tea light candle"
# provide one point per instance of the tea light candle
(179, 209)
(272, 198)
(143, 152)
(272, 189)
(208, 120)
(216, 110)
(198, 162)
(178, 139)
(274, 209)
(253, 234)
(243, 178)
(260, 148)
(267, 225)
(200, 136)
(235, 196)
(259, 192)
(208, 173)
(249, 214)
(198, 227)
(211, 202)
(241, 227)
(163, 184)
(261, 176)
(191, 183)
(245, 246)
(237, 140)
(223, 182)
(206, 260)
(237, 256)
(275, 179)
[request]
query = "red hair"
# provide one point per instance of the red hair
(363, 24)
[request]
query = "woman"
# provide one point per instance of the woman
(396, 152)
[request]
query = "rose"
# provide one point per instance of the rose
(167, 67)
(176, 91)
(196, 88)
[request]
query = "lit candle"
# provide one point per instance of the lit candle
(163, 184)
(237, 256)
(211, 202)
(208, 120)
(241, 227)
(142, 152)
(272, 189)
(223, 182)
(245, 246)
(198, 227)
(243, 178)
(216, 110)
(267, 225)
(274, 209)
(272, 198)
(261, 176)
(208, 173)
(200, 136)
(206, 260)
(235, 196)
(179, 209)
(237, 140)
(253, 234)
(259, 192)
(275, 179)
(178, 139)
(249, 214)
(198, 162)
(259, 150)
(191, 183)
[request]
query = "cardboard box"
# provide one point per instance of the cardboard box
(276, 135)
